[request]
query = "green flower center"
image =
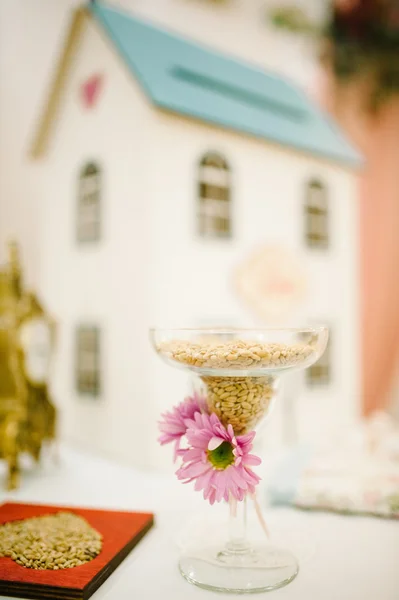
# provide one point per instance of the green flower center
(222, 456)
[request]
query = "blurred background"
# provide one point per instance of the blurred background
(129, 209)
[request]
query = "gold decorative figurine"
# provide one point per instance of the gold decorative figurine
(27, 415)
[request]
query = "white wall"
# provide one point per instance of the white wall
(193, 278)
(28, 37)
(31, 37)
(104, 284)
(150, 239)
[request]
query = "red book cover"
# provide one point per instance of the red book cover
(121, 531)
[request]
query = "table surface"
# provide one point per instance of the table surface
(341, 557)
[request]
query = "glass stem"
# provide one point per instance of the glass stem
(237, 542)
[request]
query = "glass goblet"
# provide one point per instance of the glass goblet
(239, 369)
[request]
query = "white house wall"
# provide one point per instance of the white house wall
(86, 284)
(336, 292)
(151, 268)
(193, 277)
(104, 283)
(31, 36)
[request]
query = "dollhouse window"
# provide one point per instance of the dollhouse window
(214, 203)
(320, 372)
(88, 361)
(88, 226)
(316, 214)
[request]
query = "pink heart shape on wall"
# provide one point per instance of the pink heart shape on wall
(90, 90)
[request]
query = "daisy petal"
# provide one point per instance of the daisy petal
(253, 460)
(215, 442)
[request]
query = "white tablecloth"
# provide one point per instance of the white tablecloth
(342, 558)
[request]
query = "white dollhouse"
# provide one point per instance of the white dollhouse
(171, 170)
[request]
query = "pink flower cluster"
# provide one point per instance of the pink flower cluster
(173, 427)
(218, 461)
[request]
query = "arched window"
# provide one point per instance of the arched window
(316, 214)
(214, 203)
(89, 198)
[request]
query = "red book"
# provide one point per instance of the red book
(121, 531)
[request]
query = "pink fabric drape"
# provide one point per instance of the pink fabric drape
(378, 138)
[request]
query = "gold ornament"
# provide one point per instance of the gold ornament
(27, 414)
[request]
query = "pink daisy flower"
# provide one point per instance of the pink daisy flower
(173, 427)
(218, 461)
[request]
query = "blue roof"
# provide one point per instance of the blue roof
(189, 79)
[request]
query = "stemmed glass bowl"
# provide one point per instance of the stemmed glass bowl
(239, 370)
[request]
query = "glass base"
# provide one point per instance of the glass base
(241, 571)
